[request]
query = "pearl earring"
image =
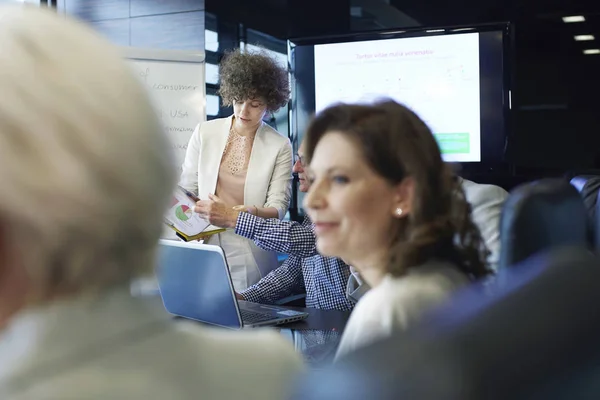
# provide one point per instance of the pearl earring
(398, 212)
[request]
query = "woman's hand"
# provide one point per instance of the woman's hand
(216, 212)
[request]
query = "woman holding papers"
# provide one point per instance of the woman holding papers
(240, 161)
(383, 200)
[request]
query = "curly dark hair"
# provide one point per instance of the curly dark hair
(253, 75)
(396, 144)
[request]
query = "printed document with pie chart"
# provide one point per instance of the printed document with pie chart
(182, 218)
(436, 76)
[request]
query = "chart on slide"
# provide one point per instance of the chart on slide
(437, 77)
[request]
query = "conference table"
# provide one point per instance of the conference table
(316, 337)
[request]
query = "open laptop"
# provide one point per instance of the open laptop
(195, 283)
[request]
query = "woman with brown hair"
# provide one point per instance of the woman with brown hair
(383, 200)
(240, 162)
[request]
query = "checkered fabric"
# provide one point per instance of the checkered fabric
(323, 279)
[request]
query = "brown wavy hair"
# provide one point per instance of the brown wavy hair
(397, 144)
(251, 75)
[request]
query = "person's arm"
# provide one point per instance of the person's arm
(279, 193)
(189, 173)
(287, 237)
(486, 212)
(282, 282)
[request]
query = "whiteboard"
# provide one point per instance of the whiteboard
(175, 82)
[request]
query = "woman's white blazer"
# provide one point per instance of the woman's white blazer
(269, 176)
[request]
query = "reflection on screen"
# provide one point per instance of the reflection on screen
(317, 346)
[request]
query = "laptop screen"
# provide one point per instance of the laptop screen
(194, 283)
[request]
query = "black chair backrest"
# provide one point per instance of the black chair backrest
(538, 216)
(588, 187)
(535, 338)
(595, 217)
(580, 181)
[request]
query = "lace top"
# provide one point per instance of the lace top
(234, 166)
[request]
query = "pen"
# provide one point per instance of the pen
(189, 194)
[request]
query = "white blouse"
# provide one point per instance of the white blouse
(397, 303)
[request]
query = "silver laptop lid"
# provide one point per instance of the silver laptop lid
(194, 283)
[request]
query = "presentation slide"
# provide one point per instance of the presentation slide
(436, 76)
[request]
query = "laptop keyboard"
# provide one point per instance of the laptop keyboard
(252, 317)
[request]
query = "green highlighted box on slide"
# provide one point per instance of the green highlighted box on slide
(453, 143)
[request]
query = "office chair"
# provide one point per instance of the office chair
(541, 215)
(569, 175)
(588, 187)
(579, 182)
(536, 338)
(596, 226)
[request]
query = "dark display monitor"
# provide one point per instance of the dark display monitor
(456, 79)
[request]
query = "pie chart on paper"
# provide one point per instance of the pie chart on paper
(183, 212)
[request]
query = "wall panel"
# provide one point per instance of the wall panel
(141, 8)
(182, 31)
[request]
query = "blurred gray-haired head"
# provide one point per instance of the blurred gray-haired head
(85, 169)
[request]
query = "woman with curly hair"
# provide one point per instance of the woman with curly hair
(383, 200)
(241, 163)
